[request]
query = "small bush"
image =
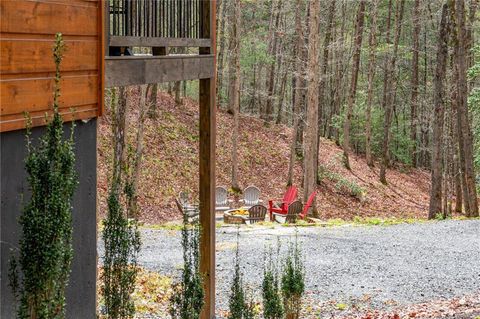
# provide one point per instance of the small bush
(342, 184)
(240, 308)
(272, 298)
(293, 281)
(188, 297)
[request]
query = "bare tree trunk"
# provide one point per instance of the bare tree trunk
(353, 84)
(119, 125)
(281, 95)
(387, 60)
(438, 121)
(339, 74)
(323, 77)
(235, 92)
(414, 102)
(391, 91)
(152, 110)
(221, 50)
(371, 75)
(466, 155)
(137, 162)
(311, 151)
(270, 79)
(297, 93)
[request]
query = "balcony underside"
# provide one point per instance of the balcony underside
(136, 70)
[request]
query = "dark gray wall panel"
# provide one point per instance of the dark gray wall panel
(81, 293)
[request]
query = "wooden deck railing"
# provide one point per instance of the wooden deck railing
(156, 23)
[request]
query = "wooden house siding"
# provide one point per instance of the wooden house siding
(27, 31)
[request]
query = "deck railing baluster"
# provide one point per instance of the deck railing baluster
(156, 18)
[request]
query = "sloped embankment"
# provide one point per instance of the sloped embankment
(171, 161)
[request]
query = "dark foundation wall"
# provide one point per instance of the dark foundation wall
(81, 293)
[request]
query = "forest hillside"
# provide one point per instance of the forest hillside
(171, 158)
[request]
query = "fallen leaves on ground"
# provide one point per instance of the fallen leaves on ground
(170, 165)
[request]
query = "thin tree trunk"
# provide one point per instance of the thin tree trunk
(339, 74)
(137, 163)
(221, 50)
(439, 104)
(119, 121)
(371, 75)
(297, 88)
(353, 84)
(311, 151)
(414, 101)
(270, 79)
(464, 123)
(323, 77)
(152, 110)
(235, 85)
(391, 91)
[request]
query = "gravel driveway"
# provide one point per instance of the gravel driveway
(384, 265)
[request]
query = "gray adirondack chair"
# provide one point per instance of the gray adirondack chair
(189, 210)
(251, 196)
(294, 209)
(221, 199)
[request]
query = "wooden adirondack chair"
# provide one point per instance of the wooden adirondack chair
(256, 214)
(307, 206)
(251, 196)
(293, 211)
(282, 206)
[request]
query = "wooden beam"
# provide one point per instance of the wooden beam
(127, 41)
(128, 70)
(207, 162)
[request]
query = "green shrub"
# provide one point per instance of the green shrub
(188, 297)
(342, 184)
(121, 239)
(293, 281)
(272, 299)
(240, 308)
(122, 245)
(46, 244)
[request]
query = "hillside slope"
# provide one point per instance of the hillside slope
(171, 162)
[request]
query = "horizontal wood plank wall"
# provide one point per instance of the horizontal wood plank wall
(27, 32)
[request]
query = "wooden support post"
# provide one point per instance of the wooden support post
(207, 165)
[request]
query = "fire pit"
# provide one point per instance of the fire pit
(235, 216)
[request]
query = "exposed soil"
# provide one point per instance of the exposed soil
(171, 161)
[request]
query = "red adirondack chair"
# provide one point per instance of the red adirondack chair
(308, 205)
(282, 207)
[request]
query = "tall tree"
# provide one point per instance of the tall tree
(297, 86)
(222, 17)
(438, 121)
(322, 98)
(414, 84)
(310, 181)
(390, 90)
(235, 88)
(353, 82)
(464, 127)
(272, 51)
(143, 107)
(371, 75)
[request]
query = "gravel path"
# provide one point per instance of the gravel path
(386, 265)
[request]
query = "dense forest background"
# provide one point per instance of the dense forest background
(393, 80)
